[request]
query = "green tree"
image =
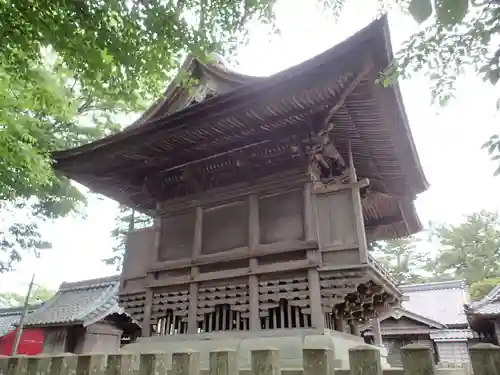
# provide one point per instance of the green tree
(68, 67)
(470, 250)
(402, 259)
(12, 299)
(126, 221)
(481, 288)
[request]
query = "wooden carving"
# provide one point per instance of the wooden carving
(351, 296)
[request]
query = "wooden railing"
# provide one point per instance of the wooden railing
(363, 360)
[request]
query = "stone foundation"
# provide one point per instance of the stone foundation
(289, 342)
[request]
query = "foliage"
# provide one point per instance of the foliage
(41, 293)
(127, 221)
(68, 67)
(480, 289)
(470, 250)
(38, 115)
(402, 259)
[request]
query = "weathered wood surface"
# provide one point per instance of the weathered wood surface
(363, 360)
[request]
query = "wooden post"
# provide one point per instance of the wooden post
(354, 328)
(377, 331)
(485, 359)
(317, 362)
(340, 323)
(148, 303)
(358, 210)
(265, 362)
(309, 228)
(365, 360)
(187, 363)
(253, 295)
(317, 316)
(19, 331)
(148, 307)
(223, 362)
(417, 360)
(253, 280)
(193, 286)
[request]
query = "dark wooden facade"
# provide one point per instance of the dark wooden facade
(264, 192)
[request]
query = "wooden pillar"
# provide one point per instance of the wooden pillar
(193, 287)
(146, 321)
(309, 214)
(354, 328)
(253, 243)
(358, 210)
(340, 323)
(314, 256)
(377, 332)
(148, 303)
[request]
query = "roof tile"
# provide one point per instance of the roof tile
(442, 301)
(489, 305)
(9, 317)
(82, 302)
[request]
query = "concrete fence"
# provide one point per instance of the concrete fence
(363, 360)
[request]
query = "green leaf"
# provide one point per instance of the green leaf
(420, 10)
(451, 12)
(497, 172)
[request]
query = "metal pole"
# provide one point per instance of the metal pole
(23, 316)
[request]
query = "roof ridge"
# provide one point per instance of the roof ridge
(490, 297)
(84, 284)
(449, 284)
(413, 315)
(6, 311)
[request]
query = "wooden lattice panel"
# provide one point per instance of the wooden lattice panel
(236, 296)
(177, 302)
(284, 303)
(134, 305)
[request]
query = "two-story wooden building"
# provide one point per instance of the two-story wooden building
(264, 192)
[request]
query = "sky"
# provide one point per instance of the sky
(448, 141)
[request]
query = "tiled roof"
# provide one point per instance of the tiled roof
(10, 316)
(442, 302)
(489, 305)
(452, 335)
(83, 302)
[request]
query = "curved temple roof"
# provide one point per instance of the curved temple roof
(235, 113)
(83, 302)
(10, 316)
(489, 305)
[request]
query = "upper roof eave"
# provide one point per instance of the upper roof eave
(256, 92)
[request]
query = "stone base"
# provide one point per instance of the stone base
(289, 342)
